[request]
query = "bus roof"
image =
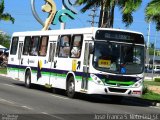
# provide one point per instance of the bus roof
(89, 30)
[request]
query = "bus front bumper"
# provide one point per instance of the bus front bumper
(115, 90)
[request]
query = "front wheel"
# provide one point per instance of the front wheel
(28, 79)
(70, 90)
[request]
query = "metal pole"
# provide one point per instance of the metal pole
(154, 53)
(148, 35)
(62, 27)
(35, 13)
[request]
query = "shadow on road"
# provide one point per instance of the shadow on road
(129, 101)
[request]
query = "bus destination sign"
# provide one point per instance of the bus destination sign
(119, 36)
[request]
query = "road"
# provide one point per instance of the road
(38, 103)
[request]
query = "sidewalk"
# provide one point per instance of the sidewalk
(148, 76)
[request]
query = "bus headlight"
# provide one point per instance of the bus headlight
(96, 79)
(138, 84)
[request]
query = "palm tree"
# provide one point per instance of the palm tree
(107, 8)
(5, 16)
(152, 12)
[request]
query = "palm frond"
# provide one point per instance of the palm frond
(7, 17)
(1, 7)
(158, 26)
(127, 19)
(90, 4)
(128, 6)
(152, 10)
(80, 2)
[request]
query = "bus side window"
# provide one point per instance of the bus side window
(77, 46)
(64, 46)
(43, 46)
(14, 46)
(26, 47)
(34, 46)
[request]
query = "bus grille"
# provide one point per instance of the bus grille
(117, 90)
(119, 84)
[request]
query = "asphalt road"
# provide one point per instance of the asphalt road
(39, 103)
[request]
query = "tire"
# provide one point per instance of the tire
(70, 88)
(28, 79)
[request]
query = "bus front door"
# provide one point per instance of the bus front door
(84, 85)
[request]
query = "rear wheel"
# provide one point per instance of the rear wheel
(70, 91)
(28, 79)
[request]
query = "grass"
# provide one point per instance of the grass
(148, 94)
(154, 83)
(151, 96)
(157, 79)
(3, 70)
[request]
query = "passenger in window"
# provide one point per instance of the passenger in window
(65, 41)
(43, 51)
(64, 51)
(34, 51)
(43, 48)
(76, 49)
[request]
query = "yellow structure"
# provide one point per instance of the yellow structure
(49, 7)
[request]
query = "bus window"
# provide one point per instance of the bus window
(26, 47)
(77, 45)
(64, 50)
(34, 46)
(43, 46)
(14, 46)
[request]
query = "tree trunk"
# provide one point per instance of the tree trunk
(101, 15)
(106, 18)
(112, 17)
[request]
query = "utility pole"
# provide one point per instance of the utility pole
(148, 43)
(93, 16)
(153, 64)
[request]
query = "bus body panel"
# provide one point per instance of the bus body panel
(55, 73)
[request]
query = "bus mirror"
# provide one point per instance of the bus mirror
(91, 46)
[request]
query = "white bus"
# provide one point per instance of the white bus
(87, 60)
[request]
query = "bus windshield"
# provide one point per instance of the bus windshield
(118, 58)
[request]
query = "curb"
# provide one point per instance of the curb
(143, 101)
(5, 75)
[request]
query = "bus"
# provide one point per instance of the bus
(91, 60)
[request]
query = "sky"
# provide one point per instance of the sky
(24, 20)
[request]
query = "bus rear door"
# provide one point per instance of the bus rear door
(52, 47)
(20, 59)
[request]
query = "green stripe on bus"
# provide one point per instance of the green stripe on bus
(119, 82)
(49, 74)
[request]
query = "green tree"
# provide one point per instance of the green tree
(5, 16)
(5, 40)
(107, 9)
(152, 13)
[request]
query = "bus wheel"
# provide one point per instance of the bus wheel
(70, 91)
(28, 79)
